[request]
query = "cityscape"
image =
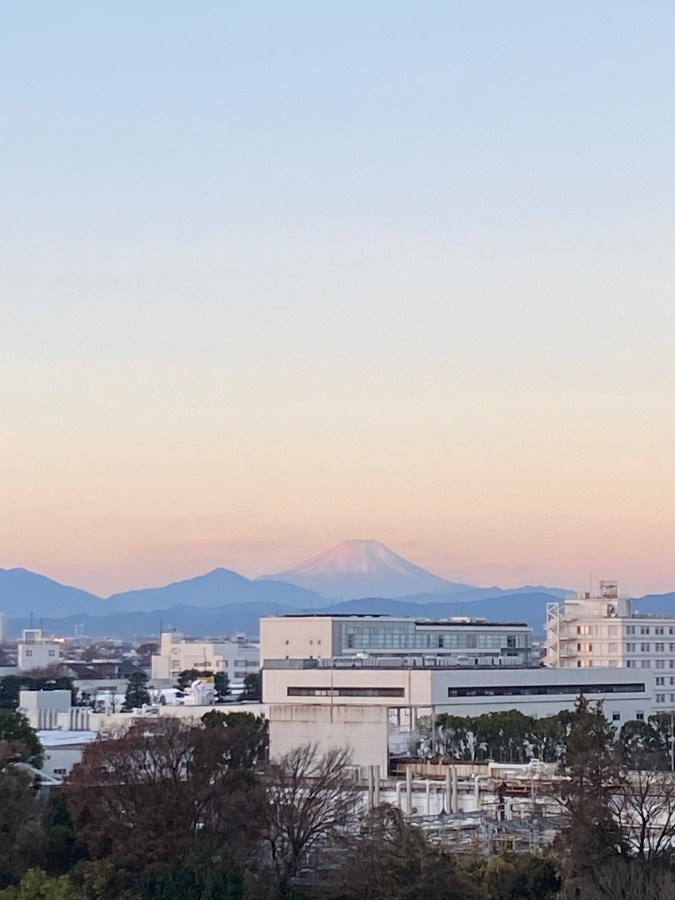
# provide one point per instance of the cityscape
(336, 442)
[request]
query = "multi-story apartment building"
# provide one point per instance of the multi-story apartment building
(459, 641)
(592, 631)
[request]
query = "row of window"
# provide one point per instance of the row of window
(344, 692)
(647, 629)
(527, 690)
(661, 698)
(647, 663)
(645, 647)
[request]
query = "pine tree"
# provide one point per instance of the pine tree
(137, 694)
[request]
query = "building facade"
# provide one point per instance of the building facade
(596, 631)
(37, 650)
(236, 658)
(461, 641)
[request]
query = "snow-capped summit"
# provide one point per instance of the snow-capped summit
(356, 569)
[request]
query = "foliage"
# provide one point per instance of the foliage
(23, 741)
(188, 790)
(187, 676)
(393, 860)
(37, 885)
(19, 819)
(222, 685)
(37, 680)
(62, 850)
(252, 687)
(247, 737)
(137, 694)
(521, 877)
(508, 736)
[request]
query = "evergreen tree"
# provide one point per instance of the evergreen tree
(252, 687)
(137, 693)
(222, 685)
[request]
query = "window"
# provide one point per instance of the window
(660, 681)
(660, 664)
(645, 648)
(640, 716)
(29, 652)
(60, 771)
(573, 688)
(52, 652)
(645, 664)
(630, 629)
(659, 648)
(644, 630)
(660, 698)
(671, 631)
(630, 663)
(616, 717)
(630, 647)
(658, 630)
(344, 692)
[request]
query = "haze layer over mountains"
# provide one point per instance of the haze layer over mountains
(357, 576)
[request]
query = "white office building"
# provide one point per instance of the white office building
(235, 657)
(458, 641)
(596, 631)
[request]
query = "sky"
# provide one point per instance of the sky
(277, 275)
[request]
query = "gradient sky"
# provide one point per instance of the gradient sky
(275, 275)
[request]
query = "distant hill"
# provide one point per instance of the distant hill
(364, 569)
(217, 588)
(197, 622)
(23, 592)
(529, 608)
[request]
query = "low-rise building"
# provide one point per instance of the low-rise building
(235, 657)
(37, 650)
(371, 705)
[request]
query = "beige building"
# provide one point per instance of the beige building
(236, 657)
(460, 641)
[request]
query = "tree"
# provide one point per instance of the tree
(23, 741)
(222, 685)
(252, 687)
(592, 835)
(645, 743)
(137, 694)
(165, 792)
(311, 801)
(187, 676)
(247, 738)
(643, 804)
(37, 885)
(519, 876)
(393, 860)
(53, 679)
(19, 818)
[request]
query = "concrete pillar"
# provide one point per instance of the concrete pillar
(376, 797)
(455, 791)
(371, 788)
(408, 790)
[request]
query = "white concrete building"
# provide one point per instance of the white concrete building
(37, 650)
(371, 705)
(3, 628)
(236, 657)
(460, 641)
(588, 631)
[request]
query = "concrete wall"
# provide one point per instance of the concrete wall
(296, 637)
(363, 729)
(412, 685)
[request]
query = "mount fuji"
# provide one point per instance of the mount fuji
(357, 569)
